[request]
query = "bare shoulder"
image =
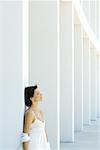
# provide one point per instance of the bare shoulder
(29, 114)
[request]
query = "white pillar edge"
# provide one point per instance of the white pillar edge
(69, 137)
(25, 48)
(58, 75)
(86, 121)
(79, 124)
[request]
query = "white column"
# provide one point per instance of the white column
(86, 9)
(67, 72)
(98, 85)
(11, 79)
(97, 18)
(78, 86)
(26, 42)
(86, 83)
(43, 60)
(93, 85)
(93, 16)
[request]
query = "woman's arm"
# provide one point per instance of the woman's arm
(25, 146)
(28, 121)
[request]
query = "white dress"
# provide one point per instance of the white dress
(38, 136)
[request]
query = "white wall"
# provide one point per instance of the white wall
(93, 84)
(78, 78)
(93, 19)
(43, 60)
(99, 18)
(86, 84)
(91, 9)
(67, 72)
(86, 9)
(98, 85)
(11, 83)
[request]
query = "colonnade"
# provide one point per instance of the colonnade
(80, 63)
(29, 55)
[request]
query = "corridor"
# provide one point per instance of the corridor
(56, 45)
(88, 139)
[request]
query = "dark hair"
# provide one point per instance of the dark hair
(29, 92)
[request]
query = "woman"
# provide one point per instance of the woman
(34, 136)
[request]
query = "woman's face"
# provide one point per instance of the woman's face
(37, 95)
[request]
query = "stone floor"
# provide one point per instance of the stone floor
(88, 139)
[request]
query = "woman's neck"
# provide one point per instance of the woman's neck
(35, 106)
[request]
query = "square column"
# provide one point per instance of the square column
(11, 74)
(86, 81)
(78, 78)
(43, 60)
(98, 85)
(86, 9)
(93, 85)
(93, 17)
(67, 72)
